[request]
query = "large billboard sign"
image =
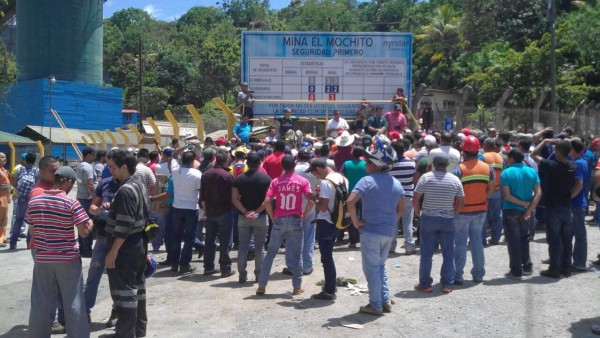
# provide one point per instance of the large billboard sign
(287, 68)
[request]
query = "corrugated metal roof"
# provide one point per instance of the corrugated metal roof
(59, 136)
(166, 129)
(16, 139)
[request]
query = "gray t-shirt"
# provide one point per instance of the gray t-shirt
(84, 172)
(439, 190)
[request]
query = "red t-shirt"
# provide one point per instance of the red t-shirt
(288, 190)
(54, 216)
(272, 164)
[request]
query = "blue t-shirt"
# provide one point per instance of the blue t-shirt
(520, 179)
(583, 174)
(242, 130)
(379, 213)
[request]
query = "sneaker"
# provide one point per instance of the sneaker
(261, 290)
(243, 277)
(323, 295)
(550, 273)
(477, 280)
(287, 271)
(492, 242)
(368, 309)
(306, 273)
(565, 272)
(410, 252)
(211, 272)
(58, 328)
(577, 269)
(446, 289)
(12, 247)
(112, 320)
(527, 272)
(511, 276)
(458, 282)
(175, 267)
(165, 262)
(227, 273)
(187, 269)
(297, 291)
(421, 288)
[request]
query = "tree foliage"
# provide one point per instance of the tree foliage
(488, 44)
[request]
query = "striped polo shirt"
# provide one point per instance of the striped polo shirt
(403, 171)
(439, 190)
(54, 216)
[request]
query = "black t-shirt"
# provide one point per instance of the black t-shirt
(285, 124)
(253, 186)
(556, 180)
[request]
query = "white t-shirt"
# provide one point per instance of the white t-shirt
(186, 186)
(453, 156)
(333, 124)
(162, 168)
(327, 191)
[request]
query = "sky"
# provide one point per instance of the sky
(168, 10)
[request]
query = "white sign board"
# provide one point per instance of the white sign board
(290, 68)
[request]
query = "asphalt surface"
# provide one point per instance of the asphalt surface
(195, 305)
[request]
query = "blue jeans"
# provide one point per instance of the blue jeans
(249, 229)
(468, 226)
(516, 230)
(290, 229)
(580, 247)
(183, 223)
(162, 221)
(441, 229)
(559, 235)
(85, 243)
(95, 271)
(374, 249)
(308, 244)
(494, 219)
(326, 234)
(218, 227)
(407, 227)
(19, 210)
(235, 215)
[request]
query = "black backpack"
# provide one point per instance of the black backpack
(339, 215)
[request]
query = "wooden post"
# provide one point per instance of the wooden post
(538, 105)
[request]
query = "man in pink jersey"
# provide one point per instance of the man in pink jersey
(287, 190)
(54, 217)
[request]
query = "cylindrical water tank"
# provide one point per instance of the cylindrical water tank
(61, 38)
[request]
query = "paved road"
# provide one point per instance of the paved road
(197, 305)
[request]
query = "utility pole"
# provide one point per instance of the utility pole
(552, 21)
(141, 77)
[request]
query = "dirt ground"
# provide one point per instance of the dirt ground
(201, 306)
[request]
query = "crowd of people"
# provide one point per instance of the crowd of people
(449, 191)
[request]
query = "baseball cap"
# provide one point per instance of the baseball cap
(397, 106)
(86, 151)
(168, 151)
(23, 155)
(244, 84)
(65, 173)
(316, 163)
(304, 151)
(430, 140)
(220, 141)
